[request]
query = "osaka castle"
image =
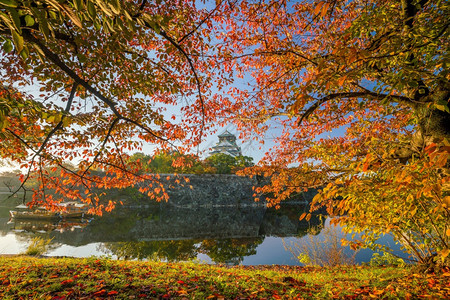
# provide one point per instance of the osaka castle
(227, 145)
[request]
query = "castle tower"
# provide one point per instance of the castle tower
(227, 145)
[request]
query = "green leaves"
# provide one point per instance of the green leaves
(91, 10)
(9, 3)
(7, 46)
(442, 105)
(29, 21)
(15, 18)
(18, 41)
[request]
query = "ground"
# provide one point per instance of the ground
(23, 277)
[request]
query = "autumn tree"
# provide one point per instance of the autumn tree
(112, 75)
(358, 93)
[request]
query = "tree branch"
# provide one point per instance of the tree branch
(111, 104)
(189, 60)
(200, 23)
(366, 93)
(49, 136)
(194, 71)
(57, 61)
(108, 134)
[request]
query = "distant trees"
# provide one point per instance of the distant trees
(227, 164)
(191, 164)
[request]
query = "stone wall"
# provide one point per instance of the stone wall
(210, 190)
(216, 190)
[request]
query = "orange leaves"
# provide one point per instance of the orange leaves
(446, 201)
(89, 132)
(306, 216)
(321, 9)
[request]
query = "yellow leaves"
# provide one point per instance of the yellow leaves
(410, 198)
(376, 293)
(110, 8)
(446, 201)
(18, 40)
(408, 179)
(444, 253)
(317, 198)
(115, 6)
(55, 118)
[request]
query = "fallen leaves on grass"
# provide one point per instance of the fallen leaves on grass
(52, 278)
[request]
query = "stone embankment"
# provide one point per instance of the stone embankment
(217, 190)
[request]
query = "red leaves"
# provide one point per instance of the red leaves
(100, 293)
(67, 282)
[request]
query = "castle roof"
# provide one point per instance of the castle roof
(226, 133)
(227, 145)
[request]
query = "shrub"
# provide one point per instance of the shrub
(38, 246)
(387, 259)
(321, 250)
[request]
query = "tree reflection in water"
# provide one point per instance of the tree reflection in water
(229, 251)
(164, 232)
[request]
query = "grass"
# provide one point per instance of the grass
(71, 278)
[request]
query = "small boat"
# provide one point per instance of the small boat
(72, 210)
(33, 215)
(46, 225)
(65, 210)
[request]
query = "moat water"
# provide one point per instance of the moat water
(247, 235)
